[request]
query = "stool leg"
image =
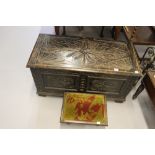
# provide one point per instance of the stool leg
(138, 91)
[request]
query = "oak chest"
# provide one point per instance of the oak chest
(72, 64)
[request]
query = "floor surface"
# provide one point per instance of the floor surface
(21, 107)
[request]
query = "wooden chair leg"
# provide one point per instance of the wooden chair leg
(57, 30)
(138, 91)
(80, 28)
(116, 32)
(101, 34)
(64, 30)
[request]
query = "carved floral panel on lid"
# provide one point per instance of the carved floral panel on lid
(80, 53)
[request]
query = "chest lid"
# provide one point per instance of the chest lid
(82, 54)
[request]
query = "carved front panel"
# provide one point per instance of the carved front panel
(56, 82)
(60, 81)
(107, 85)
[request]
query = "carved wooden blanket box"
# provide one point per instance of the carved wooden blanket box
(71, 64)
